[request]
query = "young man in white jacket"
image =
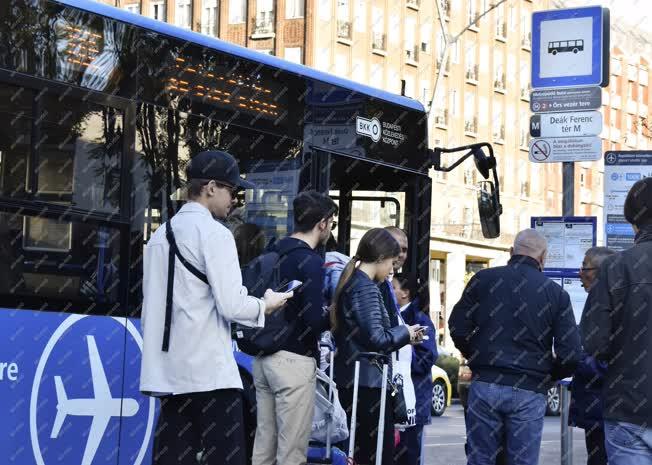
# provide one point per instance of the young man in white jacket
(187, 352)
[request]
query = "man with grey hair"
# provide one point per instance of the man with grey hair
(586, 407)
(505, 325)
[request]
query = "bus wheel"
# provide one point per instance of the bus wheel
(554, 52)
(575, 50)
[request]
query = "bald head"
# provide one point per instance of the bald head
(531, 244)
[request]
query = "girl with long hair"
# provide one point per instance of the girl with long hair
(360, 323)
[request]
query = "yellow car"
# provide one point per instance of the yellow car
(441, 391)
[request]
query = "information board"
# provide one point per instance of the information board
(568, 240)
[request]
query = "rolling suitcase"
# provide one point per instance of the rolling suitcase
(327, 454)
(375, 358)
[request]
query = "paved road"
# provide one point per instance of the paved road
(445, 438)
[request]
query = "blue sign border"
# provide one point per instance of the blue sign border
(566, 272)
(594, 79)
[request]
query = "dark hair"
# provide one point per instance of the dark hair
(194, 186)
(376, 245)
(310, 208)
(249, 241)
(638, 205)
(597, 255)
(408, 282)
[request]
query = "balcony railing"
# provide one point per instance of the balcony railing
(412, 54)
(264, 23)
(472, 73)
(378, 41)
(525, 93)
(471, 125)
(499, 134)
(446, 8)
(526, 41)
(414, 3)
(441, 118)
(344, 30)
(499, 82)
(501, 30)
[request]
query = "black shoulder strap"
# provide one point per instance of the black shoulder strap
(174, 251)
(173, 246)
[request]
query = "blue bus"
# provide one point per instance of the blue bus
(100, 111)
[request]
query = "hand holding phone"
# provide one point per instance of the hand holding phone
(290, 286)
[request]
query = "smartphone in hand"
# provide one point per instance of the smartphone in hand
(289, 287)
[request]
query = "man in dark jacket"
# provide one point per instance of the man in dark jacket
(616, 329)
(285, 381)
(586, 389)
(504, 325)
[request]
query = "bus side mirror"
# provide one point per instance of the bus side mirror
(489, 209)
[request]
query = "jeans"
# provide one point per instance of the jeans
(411, 447)
(504, 417)
(628, 444)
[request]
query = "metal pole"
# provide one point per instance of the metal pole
(568, 180)
(566, 431)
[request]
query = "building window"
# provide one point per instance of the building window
(264, 17)
(471, 64)
(344, 28)
(360, 13)
(411, 49)
(472, 15)
(157, 11)
(210, 18)
(499, 71)
(237, 11)
(378, 39)
(133, 8)
(426, 37)
(294, 54)
(184, 14)
(294, 9)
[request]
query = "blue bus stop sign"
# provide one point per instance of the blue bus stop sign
(570, 47)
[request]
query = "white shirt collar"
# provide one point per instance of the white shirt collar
(405, 306)
(195, 207)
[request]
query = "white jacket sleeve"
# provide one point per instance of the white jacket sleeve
(225, 278)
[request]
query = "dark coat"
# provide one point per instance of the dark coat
(505, 324)
(424, 356)
(616, 326)
(363, 326)
(586, 394)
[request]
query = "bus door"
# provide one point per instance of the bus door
(370, 195)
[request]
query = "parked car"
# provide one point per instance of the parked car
(441, 391)
(465, 376)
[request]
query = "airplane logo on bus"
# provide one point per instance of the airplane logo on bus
(368, 127)
(67, 425)
(101, 408)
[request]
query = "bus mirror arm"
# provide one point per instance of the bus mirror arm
(489, 205)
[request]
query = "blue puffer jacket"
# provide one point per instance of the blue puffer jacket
(424, 356)
(586, 394)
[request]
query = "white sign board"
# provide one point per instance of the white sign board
(562, 149)
(566, 46)
(576, 124)
(568, 241)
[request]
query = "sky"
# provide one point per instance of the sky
(625, 15)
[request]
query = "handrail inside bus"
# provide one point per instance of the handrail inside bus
(242, 52)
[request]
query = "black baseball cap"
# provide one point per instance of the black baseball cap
(218, 166)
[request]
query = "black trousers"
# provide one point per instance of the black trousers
(409, 452)
(595, 448)
(366, 433)
(208, 422)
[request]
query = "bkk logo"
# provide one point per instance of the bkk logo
(368, 127)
